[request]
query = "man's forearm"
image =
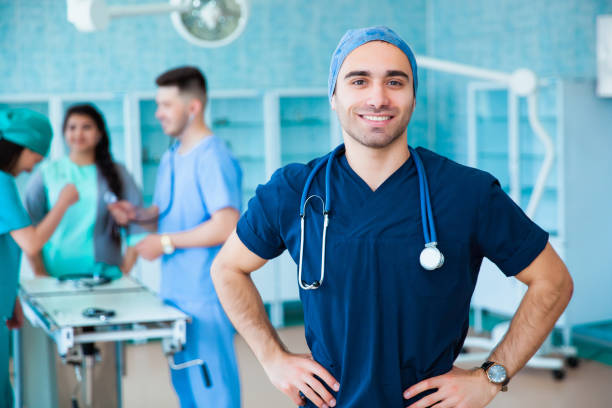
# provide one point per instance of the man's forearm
(244, 306)
(536, 316)
(210, 233)
(149, 226)
(204, 235)
(150, 215)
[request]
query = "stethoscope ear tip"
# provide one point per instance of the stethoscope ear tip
(307, 286)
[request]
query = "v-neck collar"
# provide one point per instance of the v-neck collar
(405, 168)
(205, 141)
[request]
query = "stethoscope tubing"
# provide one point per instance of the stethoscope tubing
(304, 285)
(429, 230)
(166, 211)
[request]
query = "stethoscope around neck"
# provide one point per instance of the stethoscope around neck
(431, 258)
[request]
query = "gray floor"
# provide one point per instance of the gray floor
(147, 382)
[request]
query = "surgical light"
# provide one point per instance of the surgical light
(205, 23)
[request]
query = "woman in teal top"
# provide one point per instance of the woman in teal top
(87, 240)
(25, 137)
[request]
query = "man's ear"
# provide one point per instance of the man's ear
(333, 101)
(195, 107)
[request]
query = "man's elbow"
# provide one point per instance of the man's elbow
(568, 286)
(218, 271)
(215, 271)
(562, 287)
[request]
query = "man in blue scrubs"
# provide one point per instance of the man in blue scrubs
(383, 331)
(197, 201)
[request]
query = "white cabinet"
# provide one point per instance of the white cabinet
(575, 206)
(585, 204)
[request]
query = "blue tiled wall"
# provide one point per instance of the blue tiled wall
(285, 44)
(288, 44)
(553, 38)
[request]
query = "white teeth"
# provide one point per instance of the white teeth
(377, 118)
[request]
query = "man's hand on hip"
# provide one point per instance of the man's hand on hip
(295, 373)
(456, 389)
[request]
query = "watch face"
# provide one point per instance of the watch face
(497, 373)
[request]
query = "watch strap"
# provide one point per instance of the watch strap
(485, 366)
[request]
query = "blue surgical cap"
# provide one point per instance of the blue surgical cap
(26, 128)
(355, 38)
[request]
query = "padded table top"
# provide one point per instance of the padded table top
(62, 303)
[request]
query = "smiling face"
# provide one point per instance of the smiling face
(81, 133)
(172, 110)
(374, 96)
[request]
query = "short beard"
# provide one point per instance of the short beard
(376, 143)
(180, 128)
(364, 139)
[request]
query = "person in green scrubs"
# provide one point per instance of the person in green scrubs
(87, 240)
(25, 137)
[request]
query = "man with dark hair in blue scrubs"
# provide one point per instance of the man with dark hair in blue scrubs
(196, 206)
(385, 318)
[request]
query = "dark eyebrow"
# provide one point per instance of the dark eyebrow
(391, 73)
(397, 73)
(357, 73)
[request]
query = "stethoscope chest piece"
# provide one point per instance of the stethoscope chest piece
(431, 258)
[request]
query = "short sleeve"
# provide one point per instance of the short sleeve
(505, 234)
(36, 202)
(219, 180)
(13, 215)
(259, 228)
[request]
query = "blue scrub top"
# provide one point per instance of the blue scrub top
(206, 179)
(380, 322)
(13, 216)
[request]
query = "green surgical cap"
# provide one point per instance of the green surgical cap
(26, 128)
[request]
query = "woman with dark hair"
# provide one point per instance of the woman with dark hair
(25, 137)
(87, 241)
